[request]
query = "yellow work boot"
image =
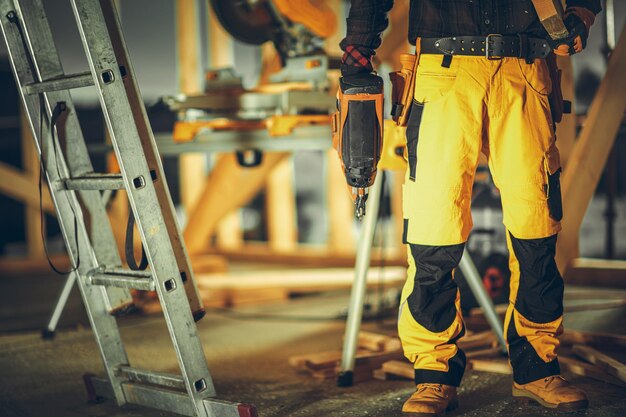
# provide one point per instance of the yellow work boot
(552, 392)
(431, 400)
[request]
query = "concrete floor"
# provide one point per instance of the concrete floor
(247, 355)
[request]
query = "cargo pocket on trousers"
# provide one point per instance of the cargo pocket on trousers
(552, 188)
(412, 136)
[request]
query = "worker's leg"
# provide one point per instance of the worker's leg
(443, 141)
(525, 165)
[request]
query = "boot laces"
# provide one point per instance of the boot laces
(424, 387)
(550, 379)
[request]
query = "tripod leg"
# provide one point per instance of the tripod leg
(357, 296)
(475, 283)
(49, 331)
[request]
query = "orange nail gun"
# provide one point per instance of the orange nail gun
(358, 132)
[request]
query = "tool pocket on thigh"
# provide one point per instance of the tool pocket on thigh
(552, 187)
(412, 136)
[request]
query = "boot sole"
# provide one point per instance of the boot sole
(452, 406)
(527, 397)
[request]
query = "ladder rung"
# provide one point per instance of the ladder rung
(150, 377)
(66, 82)
(95, 182)
(124, 278)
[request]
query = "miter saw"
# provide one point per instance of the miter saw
(296, 95)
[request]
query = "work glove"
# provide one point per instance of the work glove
(356, 60)
(578, 21)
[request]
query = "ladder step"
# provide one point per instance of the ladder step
(95, 182)
(66, 82)
(124, 278)
(150, 377)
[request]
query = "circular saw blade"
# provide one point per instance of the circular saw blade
(245, 20)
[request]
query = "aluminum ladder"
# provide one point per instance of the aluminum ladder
(79, 197)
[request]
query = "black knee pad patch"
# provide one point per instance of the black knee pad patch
(540, 294)
(434, 291)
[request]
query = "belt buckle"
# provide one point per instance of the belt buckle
(487, 40)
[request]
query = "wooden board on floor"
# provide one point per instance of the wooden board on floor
(608, 364)
(498, 366)
(590, 371)
(606, 340)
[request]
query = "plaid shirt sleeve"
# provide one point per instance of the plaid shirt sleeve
(366, 21)
(593, 5)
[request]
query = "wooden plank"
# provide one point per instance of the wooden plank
(340, 207)
(26, 266)
(280, 204)
(20, 186)
(395, 37)
(229, 235)
(597, 305)
(305, 280)
(402, 369)
(32, 215)
(498, 366)
(405, 370)
(589, 156)
(606, 363)
(572, 337)
(484, 353)
(314, 256)
(221, 54)
(209, 264)
(478, 340)
(192, 167)
(566, 130)
(597, 273)
(228, 187)
(375, 342)
(590, 371)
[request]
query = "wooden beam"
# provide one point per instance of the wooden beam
(340, 207)
(306, 256)
(572, 337)
(331, 43)
(229, 186)
(586, 163)
(20, 186)
(584, 369)
(280, 203)
(597, 273)
(303, 280)
(606, 363)
(395, 38)
(30, 162)
(498, 366)
(221, 55)
(192, 166)
(566, 130)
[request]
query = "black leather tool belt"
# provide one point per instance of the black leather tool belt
(490, 46)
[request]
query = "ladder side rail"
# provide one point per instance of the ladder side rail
(48, 65)
(66, 205)
(142, 194)
(152, 156)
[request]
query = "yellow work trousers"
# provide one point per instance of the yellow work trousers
(461, 108)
